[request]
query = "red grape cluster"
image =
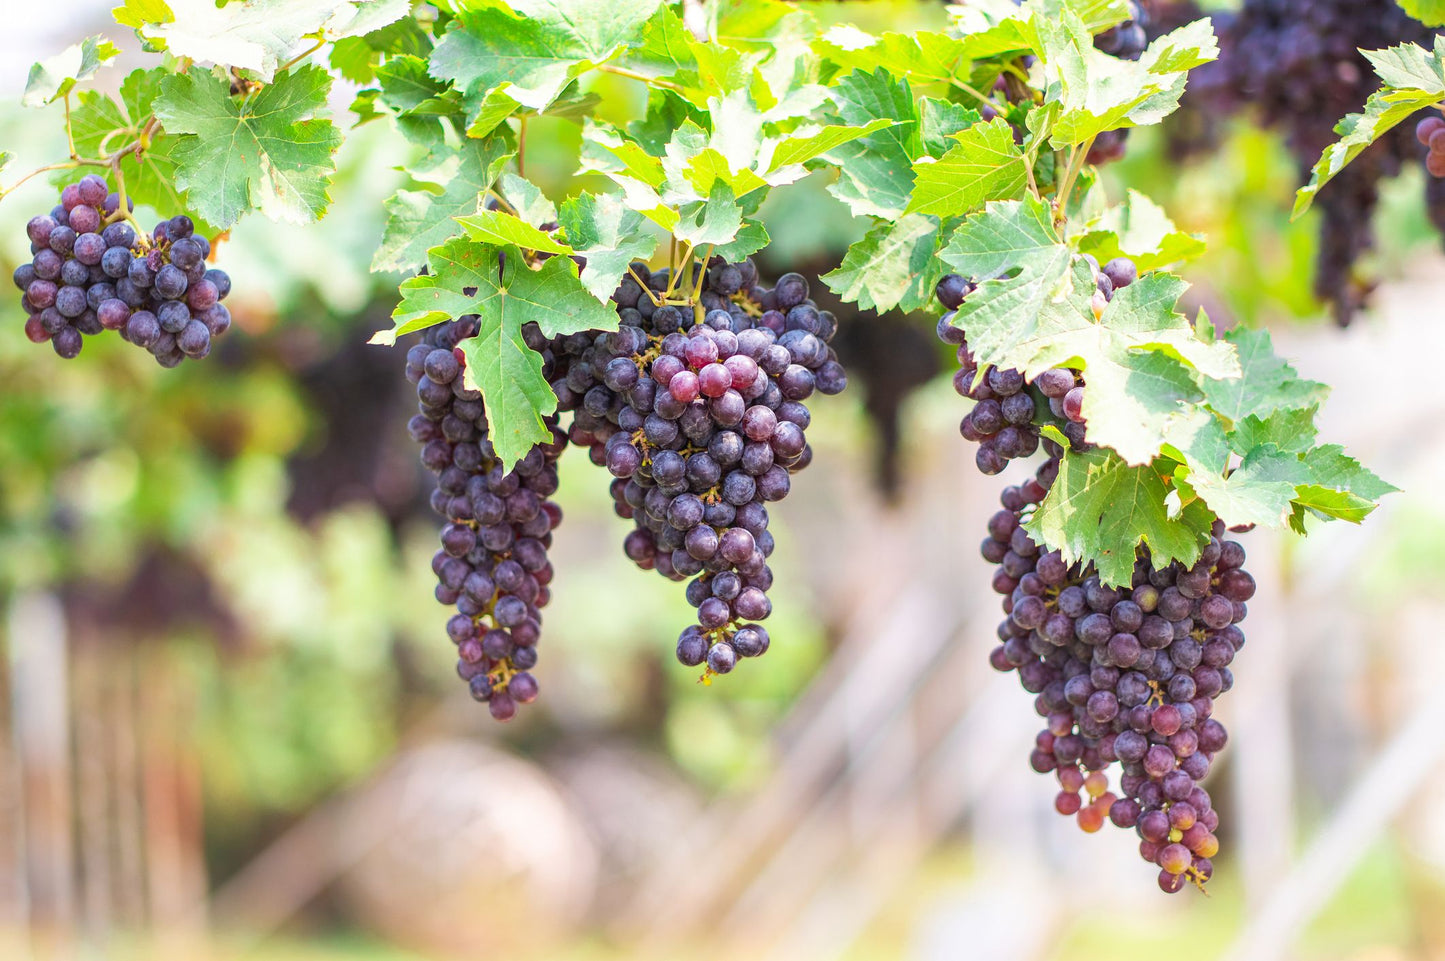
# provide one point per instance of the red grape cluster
(697, 410)
(90, 272)
(1127, 676)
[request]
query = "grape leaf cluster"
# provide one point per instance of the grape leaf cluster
(90, 272)
(493, 564)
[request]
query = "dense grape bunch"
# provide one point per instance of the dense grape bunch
(493, 564)
(1126, 676)
(1010, 410)
(90, 272)
(1298, 64)
(696, 409)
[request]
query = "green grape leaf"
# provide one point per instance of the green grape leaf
(1261, 490)
(874, 173)
(538, 54)
(895, 265)
(604, 230)
(752, 236)
(807, 143)
(254, 35)
(1333, 474)
(1270, 484)
(666, 47)
(526, 199)
(1429, 12)
(1413, 78)
(606, 151)
(1008, 236)
(1288, 429)
(985, 165)
(715, 220)
(1268, 384)
(942, 122)
(52, 79)
(923, 57)
(1139, 229)
(505, 294)
(419, 220)
(265, 151)
(100, 123)
(1097, 92)
(140, 13)
(500, 229)
(1100, 509)
(994, 28)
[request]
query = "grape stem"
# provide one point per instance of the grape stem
(651, 294)
(522, 146)
(320, 42)
(644, 78)
(1076, 166)
(69, 133)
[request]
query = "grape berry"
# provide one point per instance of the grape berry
(91, 272)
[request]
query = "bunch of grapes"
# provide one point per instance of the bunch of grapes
(90, 272)
(697, 411)
(493, 563)
(1009, 410)
(1123, 676)
(1298, 63)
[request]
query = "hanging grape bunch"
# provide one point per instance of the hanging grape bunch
(1119, 676)
(1126, 41)
(1123, 676)
(90, 272)
(695, 406)
(493, 563)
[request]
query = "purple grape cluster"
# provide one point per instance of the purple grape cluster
(91, 272)
(1009, 409)
(1431, 134)
(493, 563)
(1126, 676)
(1298, 65)
(697, 411)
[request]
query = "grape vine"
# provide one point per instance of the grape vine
(630, 319)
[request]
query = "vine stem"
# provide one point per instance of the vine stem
(320, 42)
(1076, 166)
(651, 294)
(69, 132)
(522, 146)
(644, 78)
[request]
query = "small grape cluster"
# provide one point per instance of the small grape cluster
(493, 563)
(1123, 676)
(695, 406)
(1008, 413)
(1431, 133)
(91, 272)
